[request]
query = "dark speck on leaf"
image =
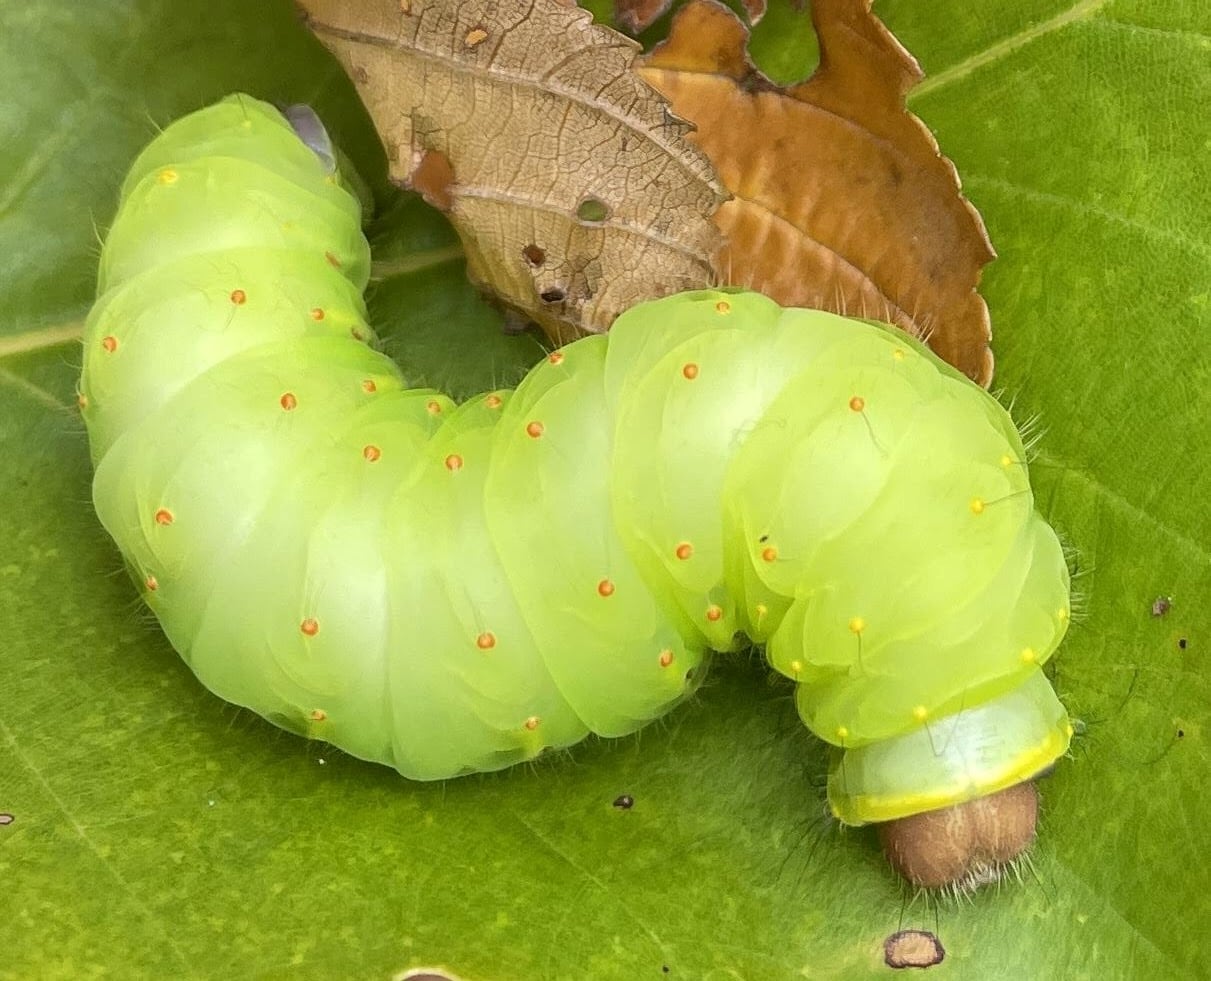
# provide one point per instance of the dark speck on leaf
(1181, 643)
(625, 802)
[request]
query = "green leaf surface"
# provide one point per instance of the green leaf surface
(157, 832)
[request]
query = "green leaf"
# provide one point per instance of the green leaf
(157, 832)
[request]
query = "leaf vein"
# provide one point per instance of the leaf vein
(1082, 11)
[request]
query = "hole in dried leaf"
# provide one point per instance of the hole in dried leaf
(553, 295)
(534, 255)
(592, 210)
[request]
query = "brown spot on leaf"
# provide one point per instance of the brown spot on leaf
(527, 121)
(912, 948)
(534, 255)
(433, 179)
(841, 198)
(1161, 606)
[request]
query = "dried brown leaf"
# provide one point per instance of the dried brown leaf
(841, 198)
(569, 181)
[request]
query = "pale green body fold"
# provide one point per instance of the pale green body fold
(456, 589)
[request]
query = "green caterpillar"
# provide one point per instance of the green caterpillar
(449, 589)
